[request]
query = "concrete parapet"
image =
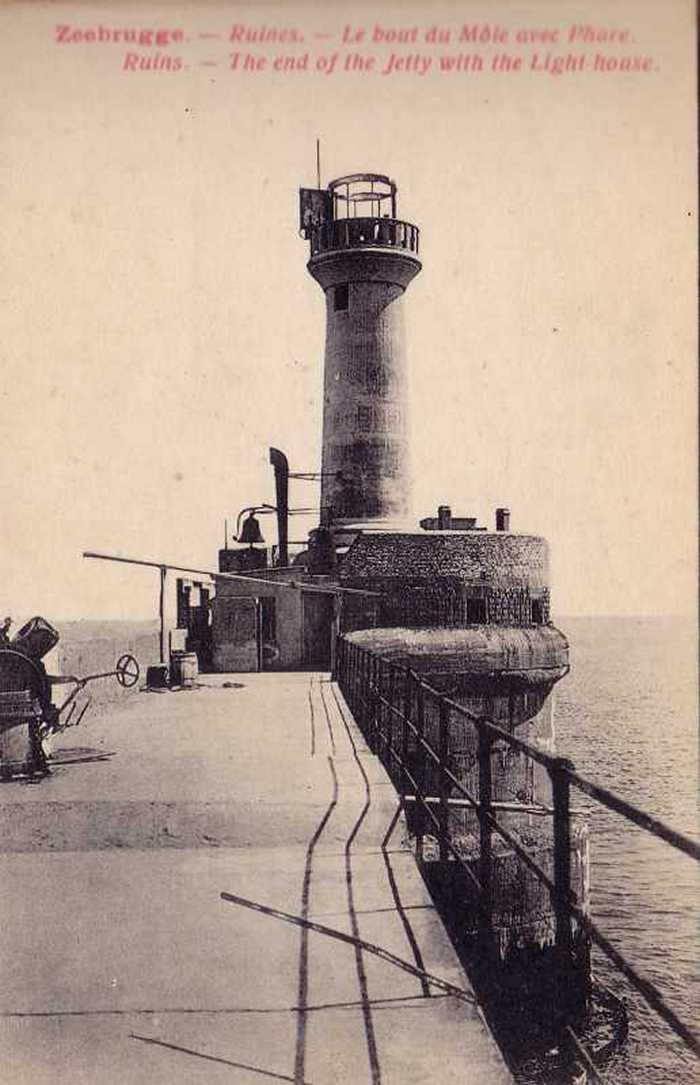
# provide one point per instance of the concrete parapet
(490, 656)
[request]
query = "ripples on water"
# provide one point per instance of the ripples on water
(627, 717)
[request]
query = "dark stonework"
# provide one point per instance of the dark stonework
(455, 580)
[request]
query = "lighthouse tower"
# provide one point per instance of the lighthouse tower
(363, 257)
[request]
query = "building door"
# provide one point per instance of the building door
(318, 612)
(269, 651)
(235, 633)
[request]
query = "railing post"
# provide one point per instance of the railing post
(371, 702)
(353, 677)
(420, 770)
(403, 778)
(363, 690)
(335, 626)
(378, 676)
(444, 814)
(389, 737)
(562, 883)
(374, 705)
(485, 836)
(382, 708)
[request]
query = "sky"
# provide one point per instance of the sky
(160, 330)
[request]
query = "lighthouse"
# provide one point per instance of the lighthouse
(363, 257)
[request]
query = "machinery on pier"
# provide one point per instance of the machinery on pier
(28, 716)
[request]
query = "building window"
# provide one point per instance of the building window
(341, 298)
(537, 612)
(476, 611)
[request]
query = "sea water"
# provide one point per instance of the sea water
(627, 716)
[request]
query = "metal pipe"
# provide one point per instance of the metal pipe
(464, 804)
(634, 814)
(332, 589)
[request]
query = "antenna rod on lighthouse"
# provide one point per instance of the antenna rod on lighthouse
(318, 162)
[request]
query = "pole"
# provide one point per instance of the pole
(161, 612)
(389, 730)
(408, 689)
(421, 769)
(444, 813)
(562, 886)
(485, 840)
(318, 163)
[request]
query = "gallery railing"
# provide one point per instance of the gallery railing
(359, 233)
(390, 703)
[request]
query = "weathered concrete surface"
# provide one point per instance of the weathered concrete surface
(120, 962)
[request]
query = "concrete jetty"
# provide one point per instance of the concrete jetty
(323, 963)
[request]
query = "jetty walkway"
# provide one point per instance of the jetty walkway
(213, 886)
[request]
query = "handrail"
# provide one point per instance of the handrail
(364, 675)
(606, 797)
(646, 821)
(353, 233)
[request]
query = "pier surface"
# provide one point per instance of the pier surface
(120, 961)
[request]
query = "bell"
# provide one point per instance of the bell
(250, 531)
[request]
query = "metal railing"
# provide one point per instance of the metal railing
(389, 702)
(358, 233)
